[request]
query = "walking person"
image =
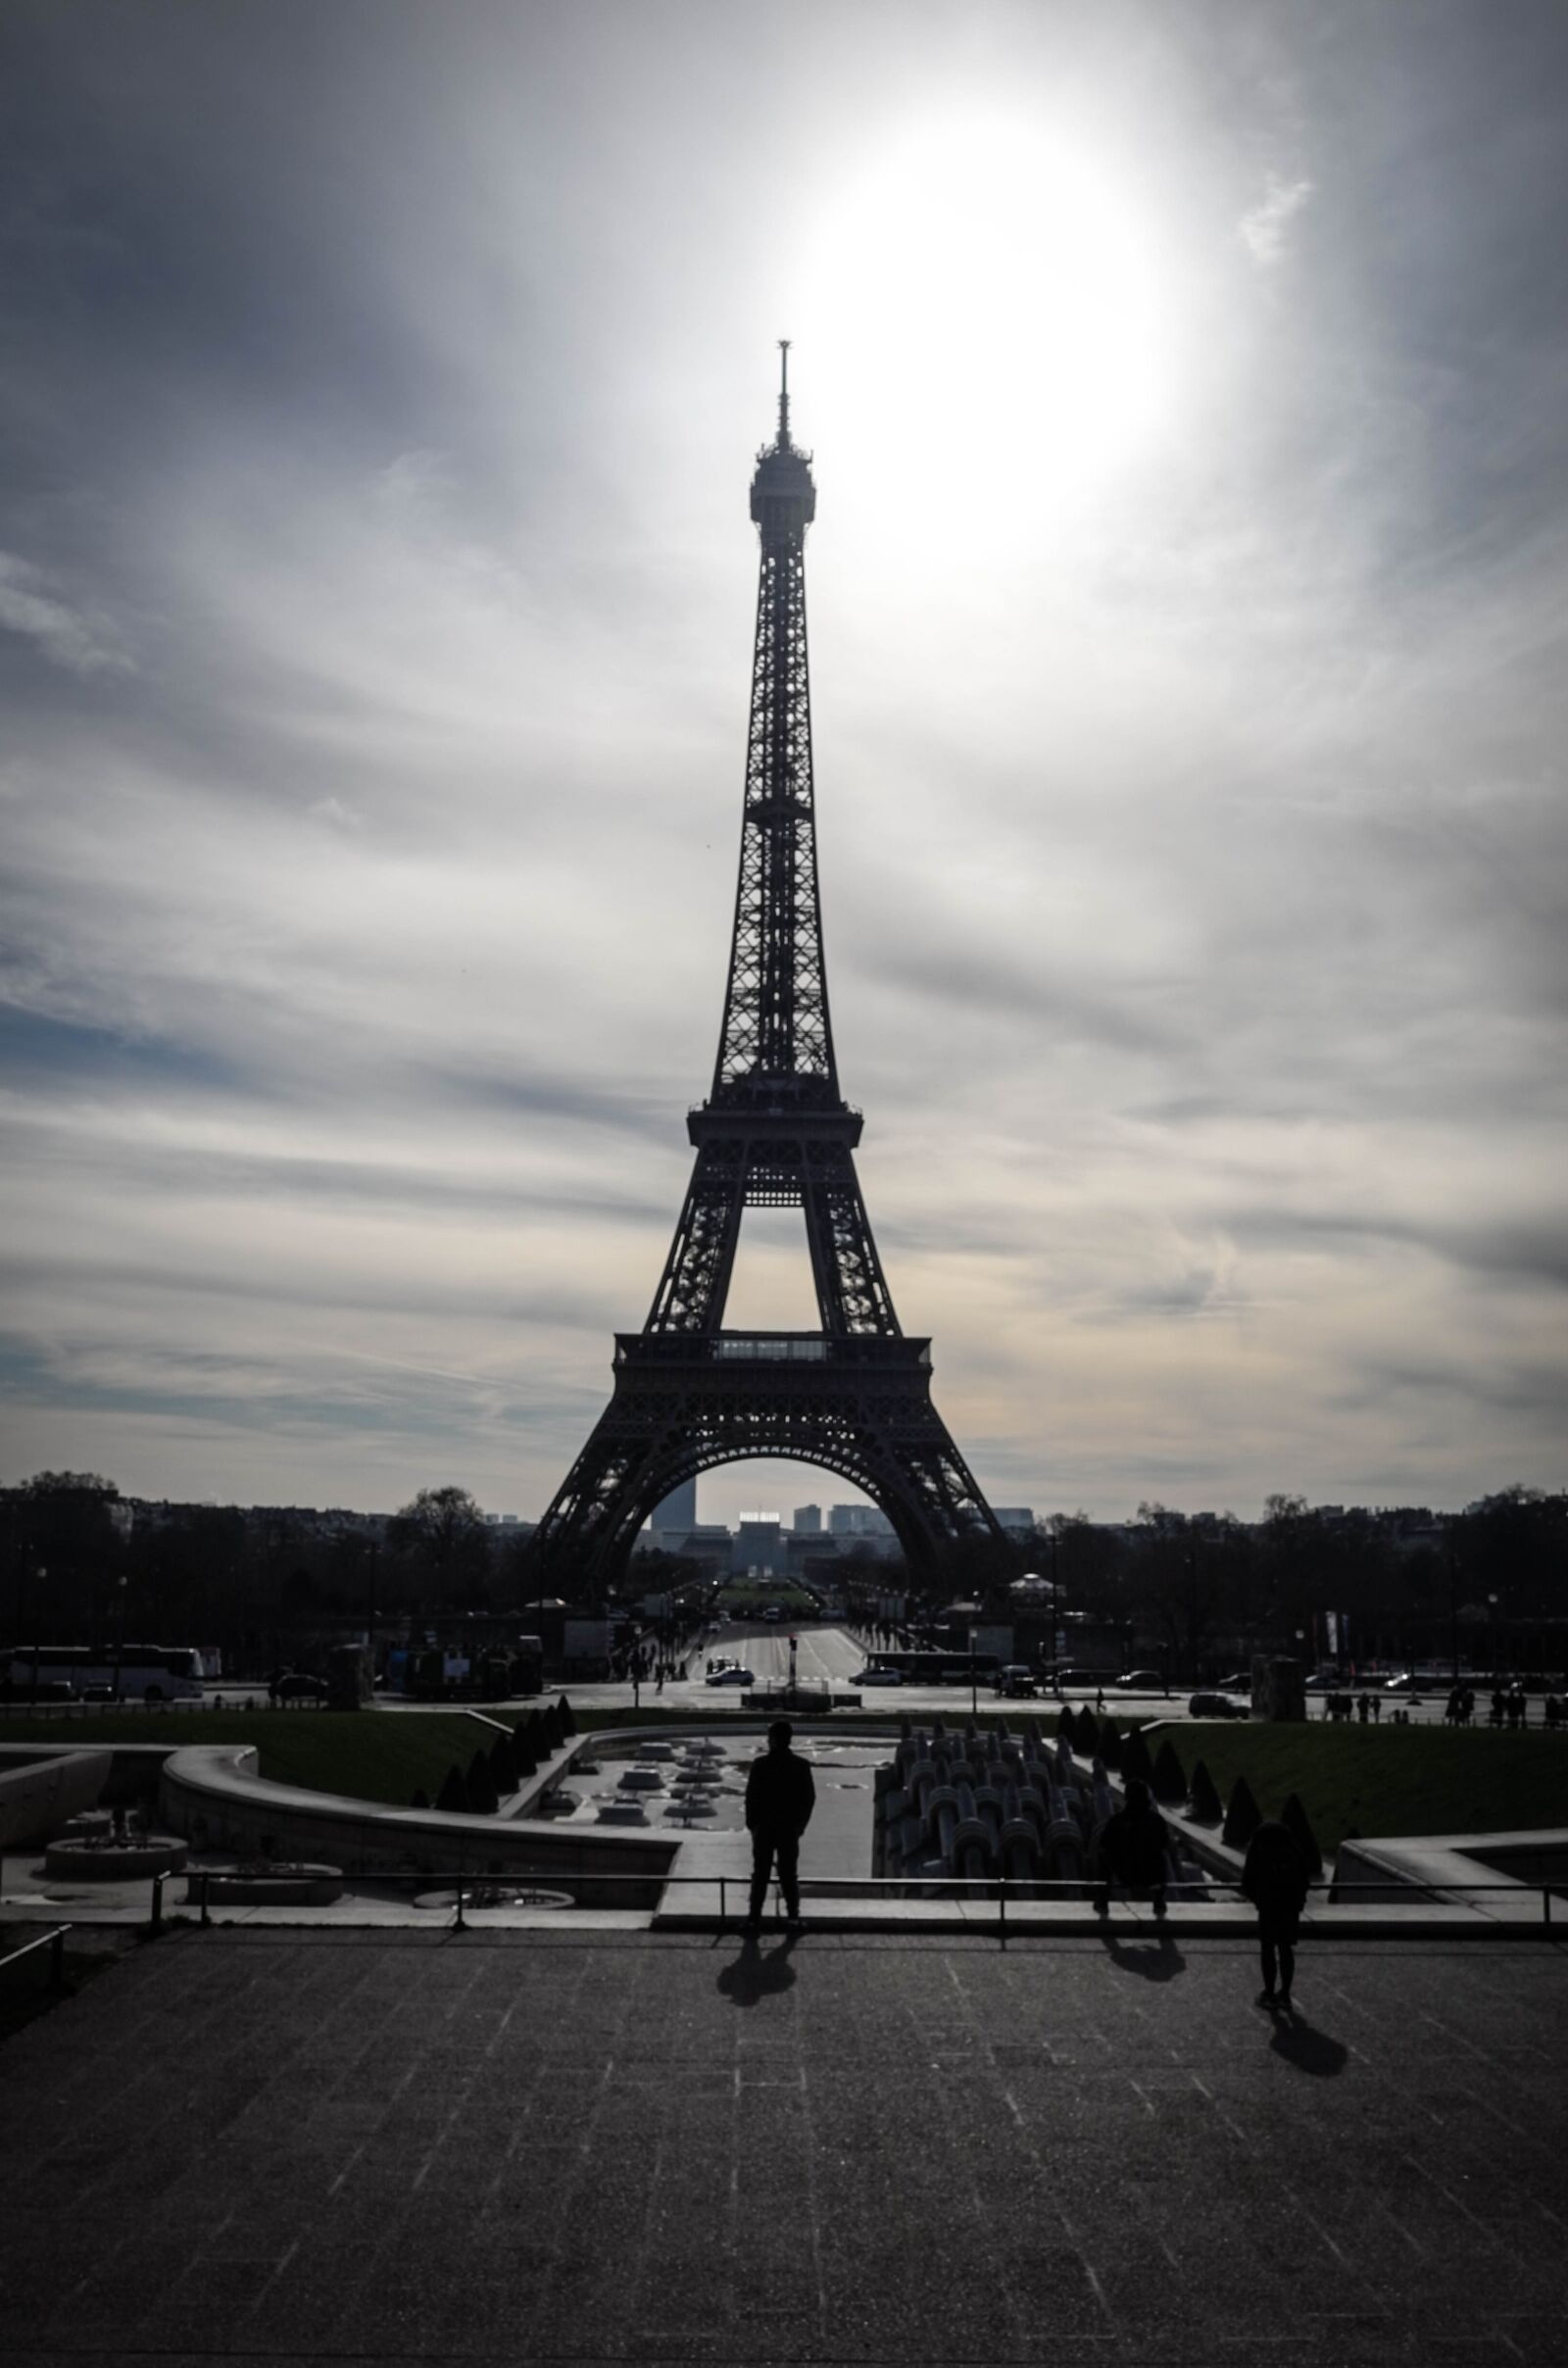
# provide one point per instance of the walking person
(1275, 1877)
(780, 1795)
(1132, 1848)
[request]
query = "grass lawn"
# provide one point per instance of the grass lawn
(1382, 1780)
(748, 1596)
(367, 1754)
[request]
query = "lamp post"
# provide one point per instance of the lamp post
(120, 1585)
(43, 1573)
(974, 1694)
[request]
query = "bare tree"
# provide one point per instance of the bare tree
(442, 1536)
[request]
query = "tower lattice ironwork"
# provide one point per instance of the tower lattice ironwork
(774, 1132)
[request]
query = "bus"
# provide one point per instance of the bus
(920, 1667)
(146, 1673)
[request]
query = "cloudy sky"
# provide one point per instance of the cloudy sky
(380, 386)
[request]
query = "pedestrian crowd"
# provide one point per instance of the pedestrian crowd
(1508, 1708)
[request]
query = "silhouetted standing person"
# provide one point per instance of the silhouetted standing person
(780, 1795)
(1275, 1878)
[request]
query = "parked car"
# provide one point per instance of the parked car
(295, 1685)
(1015, 1679)
(732, 1676)
(879, 1677)
(1147, 1681)
(1239, 1680)
(1404, 1683)
(1209, 1704)
(100, 1694)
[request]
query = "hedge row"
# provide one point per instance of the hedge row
(1129, 1755)
(491, 1775)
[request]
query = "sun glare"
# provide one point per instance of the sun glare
(985, 293)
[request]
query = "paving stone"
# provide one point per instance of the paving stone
(876, 2149)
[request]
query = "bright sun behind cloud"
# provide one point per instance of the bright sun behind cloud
(988, 292)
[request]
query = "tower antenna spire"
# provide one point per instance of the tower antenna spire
(784, 344)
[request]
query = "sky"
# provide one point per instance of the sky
(379, 390)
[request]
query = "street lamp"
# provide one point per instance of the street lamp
(120, 1585)
(974, 1697)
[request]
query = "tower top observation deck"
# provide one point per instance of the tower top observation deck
(783, 495)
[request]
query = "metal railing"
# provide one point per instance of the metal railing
(470, 1891)
(564, 1888)
(55, 1943)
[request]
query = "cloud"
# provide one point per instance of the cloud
(1263, 232)
(1192, 834)
(82, 640)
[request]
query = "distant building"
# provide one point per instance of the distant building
(758, 1548)
(678, 1509)
(807, 1520)
(857, 1521)
(1015, 1519)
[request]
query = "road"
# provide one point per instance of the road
(824, 1656)
(832, 1657)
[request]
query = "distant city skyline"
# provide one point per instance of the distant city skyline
(375, 615)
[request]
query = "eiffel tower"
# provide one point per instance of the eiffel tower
(775, 1132)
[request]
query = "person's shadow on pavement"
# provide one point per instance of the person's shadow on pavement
(1307, 2050)
(1160, 1965)
(754, 1977)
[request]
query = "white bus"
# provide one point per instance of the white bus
(147, 1673)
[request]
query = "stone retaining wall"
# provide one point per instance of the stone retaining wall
(42, 1788)
(211, 1794)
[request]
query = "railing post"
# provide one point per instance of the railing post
(1002, 1896)
(1545, 1905)
(158, 1903)
(459, 1925)
(206, 1912)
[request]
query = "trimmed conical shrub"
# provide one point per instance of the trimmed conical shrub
(523, 1751)
(1243, 1817)
(454, 1793)
(1135, 1759)
(482, 1802)
(503, 1765)
(550, 1727)
(1068, 1722)
(1110, 1744)
(1203, 1803)
(1086, 1733)
(1168, 1782)
(419, 1799)
(1295, 1816)
(568, 1725)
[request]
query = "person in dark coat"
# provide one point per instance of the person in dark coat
(780, 1795)
(1132, 1847)
(1275, 1878)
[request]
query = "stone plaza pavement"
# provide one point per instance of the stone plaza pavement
(257, 2145)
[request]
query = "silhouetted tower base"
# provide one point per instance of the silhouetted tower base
(774, 1132)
